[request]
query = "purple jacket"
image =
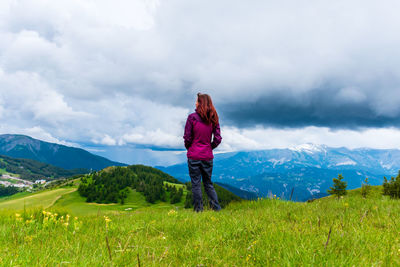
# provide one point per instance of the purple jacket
(198, 138)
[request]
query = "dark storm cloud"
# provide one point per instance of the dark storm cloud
(313, 108)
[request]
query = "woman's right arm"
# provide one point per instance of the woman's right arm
(188, 137)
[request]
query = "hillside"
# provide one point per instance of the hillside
(112, 185)
(352, 231)
(136, 182)
(31, 170)
(240, 193)
(67, 198)
(307, 169)
(21, 146)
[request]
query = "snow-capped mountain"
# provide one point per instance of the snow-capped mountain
(309, 148)
(306, 169)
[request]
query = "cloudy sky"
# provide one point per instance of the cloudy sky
(120, 77)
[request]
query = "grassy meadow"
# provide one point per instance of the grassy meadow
(44, 199)
(351, 231)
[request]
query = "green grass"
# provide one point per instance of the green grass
(15, 196)
(364, 232)
(43, 199)
(176, 185)
(3, 171)
(69, 200)
(76, 204)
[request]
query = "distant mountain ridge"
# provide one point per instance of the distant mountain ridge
(306, 169)
(31, 170)
(22, 146)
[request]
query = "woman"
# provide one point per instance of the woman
(200, 126)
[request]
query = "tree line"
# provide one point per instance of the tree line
(8, 190)
(175, 195)
(112, 184)
(390, 187)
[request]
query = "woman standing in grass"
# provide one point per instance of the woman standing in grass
(200, 127)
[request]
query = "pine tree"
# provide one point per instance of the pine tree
(386, 186)
(339, 187)
(365, 188)
(189, 200)
(392, 187)
(175, 195)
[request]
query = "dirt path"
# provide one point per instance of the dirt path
(57, 198)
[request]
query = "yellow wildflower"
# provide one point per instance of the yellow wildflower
(108, 220)
(171, 212)
(77, 225)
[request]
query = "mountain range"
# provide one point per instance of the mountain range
(32, 159)
(298, 173)
(21, 146)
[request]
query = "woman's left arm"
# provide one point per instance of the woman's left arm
(217, 136)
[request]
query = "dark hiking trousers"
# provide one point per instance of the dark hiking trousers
(199, 169)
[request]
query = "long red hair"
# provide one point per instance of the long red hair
(206, 109)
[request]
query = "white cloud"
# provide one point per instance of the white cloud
(36, 132)
(106, 140)
(27, 96)
(153, 138)
(267, 138)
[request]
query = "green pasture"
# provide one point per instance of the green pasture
(68, 199)
(350, 231)
(43, 199)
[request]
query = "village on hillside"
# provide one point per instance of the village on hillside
(9, 180)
